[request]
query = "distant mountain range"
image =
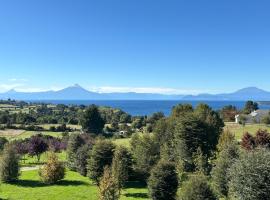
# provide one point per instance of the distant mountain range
(76, 92)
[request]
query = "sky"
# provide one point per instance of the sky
(161, 46)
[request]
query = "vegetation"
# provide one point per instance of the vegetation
(197, 187)
(108, 187)
(249, 176)
(190, 151)
(101, 156)
(9, 164)
(53, 170)
(163, 181)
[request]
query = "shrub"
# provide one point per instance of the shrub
(108, 187)
(53, 170)
(163, 181)
(101, 156)
(248, 141)
(9, 164)
(250, 176)
(196, 188)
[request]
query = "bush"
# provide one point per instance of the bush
(101, 156)
(53, 170)
(196, 188)
(163, 181)
(108, 187)
(250, 176)
(9, 164)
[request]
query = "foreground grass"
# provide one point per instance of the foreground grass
(73, 187)
(239, 130)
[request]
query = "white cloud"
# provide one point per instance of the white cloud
(158, 90)
(17, 80)
(6, 87)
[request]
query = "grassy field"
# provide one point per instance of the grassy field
(239, 130)
(73, 187)
(21, 134)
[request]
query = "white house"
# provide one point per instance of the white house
(254, 117)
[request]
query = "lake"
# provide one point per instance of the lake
(147, 107)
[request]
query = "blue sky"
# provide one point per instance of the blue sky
(168, 46)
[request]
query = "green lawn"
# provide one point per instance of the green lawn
(73, 187)
(32, 161)
(239, 130)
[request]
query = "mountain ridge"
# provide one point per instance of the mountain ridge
(76, 92)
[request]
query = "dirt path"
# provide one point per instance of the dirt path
(23, 169)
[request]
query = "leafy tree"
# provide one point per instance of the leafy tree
(145, 151)
(101, 156)
(180, 110)
(225, 159)
(228, 113)
(196, 188)
(250, 176)
(53, 170)
(225, 139)
(201, 162)
(91, 121)
(155, 117)
(214, 124)
(163, 181)
(250, 106)
(81, 157)
(190, 135)
(108, 187)
(121, 165)
(37, 145)
(74, 143)
(9, 164)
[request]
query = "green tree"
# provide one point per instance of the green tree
(145, 151)
(81, 157)
(163, 181)
(121, 165)
(9, 164)
(225, 139)
(108, 187)
(3, 141)
(101, 156)
(91, 121)
(250, 106)
(196, 188)
(250, 176)
(53, 171)
(74, 143)
(225, 159)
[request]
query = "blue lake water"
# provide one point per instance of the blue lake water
(147, 107)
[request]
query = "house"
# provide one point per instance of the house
(254, 117)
